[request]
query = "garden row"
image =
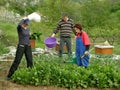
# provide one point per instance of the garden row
(100, 74)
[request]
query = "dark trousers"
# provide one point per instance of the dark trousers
(21, 49)
(64, 41)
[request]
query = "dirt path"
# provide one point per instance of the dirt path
(8, 85)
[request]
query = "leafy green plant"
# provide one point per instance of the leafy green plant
(35, 35)
(100, 74)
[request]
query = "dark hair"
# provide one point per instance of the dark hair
(79, 26)
(26, 21)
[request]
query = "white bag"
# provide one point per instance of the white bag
(34, 16)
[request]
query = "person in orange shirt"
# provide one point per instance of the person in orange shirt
(82, 46)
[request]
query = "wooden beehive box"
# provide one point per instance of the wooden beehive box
(103, 49)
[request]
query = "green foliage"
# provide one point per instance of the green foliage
(9, 34)
(3, 50)
(91, 13)
(100, 18)
(47, 71)
(2, 2)
(23, 7)
(35, 35)
(116, 6)
(94, 13)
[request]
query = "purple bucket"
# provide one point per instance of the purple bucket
(50, 42)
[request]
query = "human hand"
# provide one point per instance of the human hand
(86, 52)
(53, 35)
(75, 37)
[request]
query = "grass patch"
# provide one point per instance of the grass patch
(3, 50)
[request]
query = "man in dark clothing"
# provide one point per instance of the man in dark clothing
(23, 47)
(65, 26)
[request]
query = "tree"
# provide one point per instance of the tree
(21, 6)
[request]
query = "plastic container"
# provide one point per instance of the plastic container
(34, 16)
(50, 42)
(72, 60)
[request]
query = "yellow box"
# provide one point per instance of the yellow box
(103, 49)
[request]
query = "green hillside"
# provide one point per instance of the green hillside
(100, 18)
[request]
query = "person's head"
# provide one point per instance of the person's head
(26, 22)
(64, 17)
(78, 27)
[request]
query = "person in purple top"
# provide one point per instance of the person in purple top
(23, 47)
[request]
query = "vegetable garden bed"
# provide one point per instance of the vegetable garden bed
(49, 72)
